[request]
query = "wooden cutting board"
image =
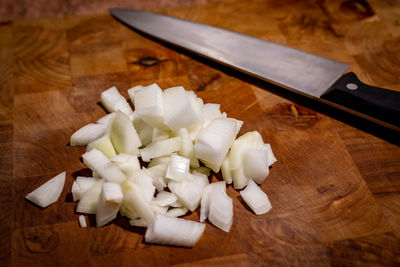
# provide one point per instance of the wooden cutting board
(334, 190)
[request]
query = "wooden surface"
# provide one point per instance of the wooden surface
(334, 190)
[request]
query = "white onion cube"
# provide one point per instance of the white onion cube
(256, 164)
(149, 105)
(174, 231)
(180, 112)
(113, 101)
(109, 203)
(178, 168)
(124, 136)
(213, 143)
(49, 192)
(87, 134)
(160, 148)
(255, 198)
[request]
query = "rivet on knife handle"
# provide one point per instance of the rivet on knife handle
(375, 102)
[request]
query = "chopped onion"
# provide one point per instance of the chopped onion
(226, 172)
(255, 198)
(221, 209)
(132, 91)
(213, 143)
(178, 168)
(159, 209)
(159, 160)
(107, 119)
(82, 221)
(205, 199)
(124, 136)
(190, 190)
(138, 222)
(174, 231)
(104, 145)
(49, 192)
(108, 204)
(159, 135)
(177, 212)
(149, 105)
(87, 134)
(256, 164)
(89, 200)
(271, 156)
(187, 149)
(142, 179)
(164, 199)
(113, 101)
(129, 164)
(160, 148)
(99, 163)
(144, 131)
(250, 140)
(81, 185)
(179, 110)
(134, 200)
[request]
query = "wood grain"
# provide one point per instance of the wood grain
(334, 190)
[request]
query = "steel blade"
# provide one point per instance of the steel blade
(305, 73)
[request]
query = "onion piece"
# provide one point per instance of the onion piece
(177, 212)
(149, 105)
(109, 202)
(106, 119)
(159, 160)
(164, 199)
(135, 201)
(205, 199)
(250, 140)
(187, 149)
(178, 168)
(142, 179)
(180, 111)
(174, 231)
(255, 164)
(221, 209)
(99, 163)
(104, 145)
(89, 200)
(177, 204)
(158, 174)
(159, 209)
(144, 131)
(132, 91)
(213, 143)
(87, 134)
(49, 192)
(82, 221)
(138, 222)
(271, 156)
(226, 172)
(129, 164)
(160, 148)
(204, 170)
(190, 190)
(159, 135)
(123, 135)
(255, 198)
(81, 185)
(113, 101)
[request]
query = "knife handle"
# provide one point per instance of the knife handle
(375, 102)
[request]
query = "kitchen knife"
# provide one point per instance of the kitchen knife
(304, 73)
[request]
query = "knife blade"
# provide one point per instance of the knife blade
(311, 75)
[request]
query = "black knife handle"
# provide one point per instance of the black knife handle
(379, 103)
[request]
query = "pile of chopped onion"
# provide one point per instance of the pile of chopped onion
(175, 133)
